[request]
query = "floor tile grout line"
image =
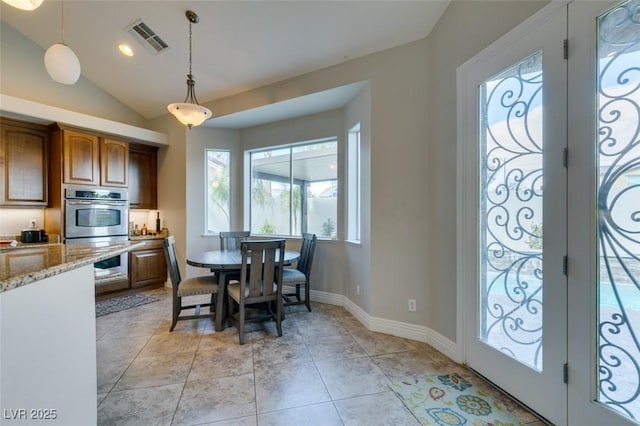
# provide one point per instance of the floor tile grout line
(122, 374)
(350, 332)
(184, 385)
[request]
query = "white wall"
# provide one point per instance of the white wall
(48, 349)
(200, 139)
(398, 202)
(13, 220)
(24, 76)
(451, 43)
(358, 257)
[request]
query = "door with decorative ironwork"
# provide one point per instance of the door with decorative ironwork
(604, 213)
(514, 212)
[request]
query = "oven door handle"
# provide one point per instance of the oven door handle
(93, 203)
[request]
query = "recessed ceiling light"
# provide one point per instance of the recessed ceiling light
(125, 49)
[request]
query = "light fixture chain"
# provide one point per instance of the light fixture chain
(189, 47)
(62, 20)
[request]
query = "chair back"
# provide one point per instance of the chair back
(257, 282)
(172, 261)
(230, 240)
(307, 251)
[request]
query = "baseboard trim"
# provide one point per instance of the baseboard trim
(396, 328)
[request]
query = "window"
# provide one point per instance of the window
(217, 216)
(294, 189)
(353, 184)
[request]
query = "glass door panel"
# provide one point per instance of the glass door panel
(511, 195)
(618, 208)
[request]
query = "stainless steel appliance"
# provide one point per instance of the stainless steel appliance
(95, 212)
(97, 219)
(110, 274)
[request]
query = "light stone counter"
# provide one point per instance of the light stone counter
(22, 265)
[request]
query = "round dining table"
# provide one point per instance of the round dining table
(224, 262)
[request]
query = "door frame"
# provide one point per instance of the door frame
(468, 168)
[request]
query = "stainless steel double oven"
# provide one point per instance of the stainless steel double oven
(97, 219)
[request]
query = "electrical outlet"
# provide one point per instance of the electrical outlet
(358, 289)
(412, 305)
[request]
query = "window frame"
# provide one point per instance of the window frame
(354, 184)
(207, 231)
(292, 183)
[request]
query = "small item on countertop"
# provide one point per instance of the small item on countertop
(144, 229)
(158, 222)
(33, 236)
(135, 230)
(8, 243)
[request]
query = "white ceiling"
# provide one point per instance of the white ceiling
(237, 45)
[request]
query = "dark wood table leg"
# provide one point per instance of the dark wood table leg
(222, 295)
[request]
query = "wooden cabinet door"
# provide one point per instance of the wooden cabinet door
(143, 177)
(147, 267)
(81, 158)
(114, 162)
(23, 164)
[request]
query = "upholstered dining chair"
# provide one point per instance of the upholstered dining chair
(201, 285)
(262, 286)
(230, 240)
(300, 274)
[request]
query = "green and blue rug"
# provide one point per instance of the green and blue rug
(450, 400)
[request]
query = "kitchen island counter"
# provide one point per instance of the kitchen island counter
(20, 266)
(48, 331)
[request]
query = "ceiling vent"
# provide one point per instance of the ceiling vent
(147, 37)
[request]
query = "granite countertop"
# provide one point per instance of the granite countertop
(22, 265)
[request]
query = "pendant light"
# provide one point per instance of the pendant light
(189, 112)
(61, 63)
(24, 4)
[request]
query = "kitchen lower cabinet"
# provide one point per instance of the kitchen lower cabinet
(24, 156)
(147, 266)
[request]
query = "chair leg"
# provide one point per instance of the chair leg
(279, 316)
(177, 303)
(307, 295)
(241, 323)
(298, 292)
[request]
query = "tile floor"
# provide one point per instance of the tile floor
(327, 369)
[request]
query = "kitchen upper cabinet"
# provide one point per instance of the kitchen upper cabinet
(81, 158)
(114, 162)
(90, 159)
(143, 184)
(23, 163)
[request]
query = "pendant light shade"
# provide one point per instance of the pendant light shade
(189, 112)
(62, 64)
(24, 4)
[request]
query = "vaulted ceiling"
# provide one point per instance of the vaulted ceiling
(237, 45)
